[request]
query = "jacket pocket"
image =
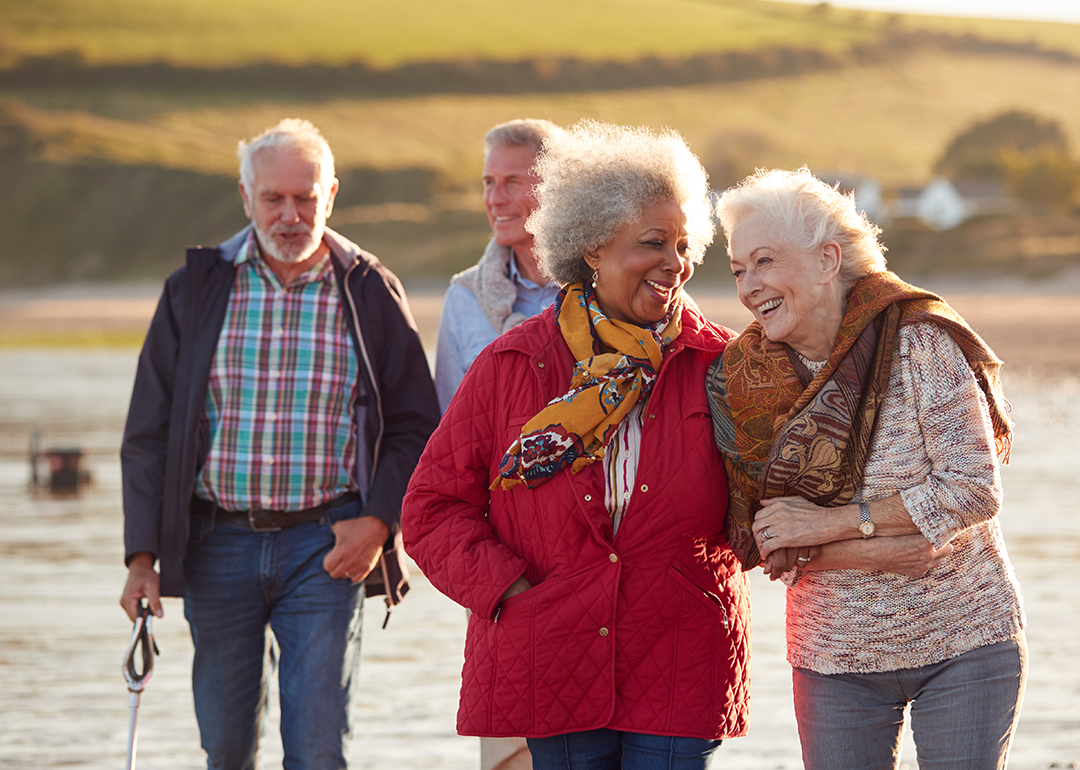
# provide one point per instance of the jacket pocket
(707, 599)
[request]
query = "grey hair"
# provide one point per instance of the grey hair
(597, 178)
(524, 132)
(807, 213)
(291, 134)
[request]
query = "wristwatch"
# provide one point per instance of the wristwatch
(866, 525)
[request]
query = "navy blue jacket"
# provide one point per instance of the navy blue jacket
(396, 408)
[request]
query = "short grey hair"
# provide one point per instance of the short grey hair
(807, 213)
(524, 132)
(598, 178)
(292, 134)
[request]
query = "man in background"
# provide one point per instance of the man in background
(503, 289)
(506, 286)
(281, 402)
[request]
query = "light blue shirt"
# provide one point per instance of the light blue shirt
(464, 330)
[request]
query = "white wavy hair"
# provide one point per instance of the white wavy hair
(292, 134)
(597, 178)
(807, 213)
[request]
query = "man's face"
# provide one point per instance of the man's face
(288, 204)
(508, 194)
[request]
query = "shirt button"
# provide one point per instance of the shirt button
(268, 459)
(613, 556)
(604, 632)
(273, 374)
(267, 502)
(278, 332)
(271, 417)
(588, 498)
(625, 495)
(652, 416)
(644, 487)
(540, 364)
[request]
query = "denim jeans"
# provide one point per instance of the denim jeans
(239, 582)
(605, 749)
(963, 712)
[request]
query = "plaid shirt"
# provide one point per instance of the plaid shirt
(278, 422)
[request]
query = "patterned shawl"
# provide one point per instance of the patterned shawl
(616, 367)
(783, 431)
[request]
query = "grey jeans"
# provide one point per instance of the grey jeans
(963, 712)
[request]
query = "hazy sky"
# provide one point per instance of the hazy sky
(1040, 10)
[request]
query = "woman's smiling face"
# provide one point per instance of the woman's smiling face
(794, 294)
(643, 268)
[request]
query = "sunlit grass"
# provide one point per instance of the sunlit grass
(892, 120)
(73, 339)
(384, 34)
(210, 32)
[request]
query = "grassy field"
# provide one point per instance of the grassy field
(384, 34)
(891, 120)
(110, 181)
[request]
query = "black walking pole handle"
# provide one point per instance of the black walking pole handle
(142, 644)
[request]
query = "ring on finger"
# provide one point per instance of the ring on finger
(803, 559)
(765, 534)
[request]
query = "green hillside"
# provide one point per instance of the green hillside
(117, 142)
(387, 34)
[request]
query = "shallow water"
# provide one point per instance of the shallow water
(64, 703)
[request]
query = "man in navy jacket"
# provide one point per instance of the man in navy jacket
(281, 402)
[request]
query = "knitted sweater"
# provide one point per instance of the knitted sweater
(933, 444)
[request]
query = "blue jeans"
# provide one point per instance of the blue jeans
(963, 712)
(605, 749)
(238, 582)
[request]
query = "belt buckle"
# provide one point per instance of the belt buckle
(256, 527)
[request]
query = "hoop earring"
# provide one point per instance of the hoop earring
(595, 277)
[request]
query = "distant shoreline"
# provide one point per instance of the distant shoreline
(1031, 324)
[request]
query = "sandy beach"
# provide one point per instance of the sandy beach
(64, 703)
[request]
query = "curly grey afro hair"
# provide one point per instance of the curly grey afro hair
(597, 178)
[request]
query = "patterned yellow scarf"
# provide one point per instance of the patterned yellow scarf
(616, 367)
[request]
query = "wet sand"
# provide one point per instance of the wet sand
(64, 703)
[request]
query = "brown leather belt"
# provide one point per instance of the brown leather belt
(260, 520)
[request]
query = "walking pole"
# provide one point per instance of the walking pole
(141, 637)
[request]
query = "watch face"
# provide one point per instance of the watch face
(867, 528)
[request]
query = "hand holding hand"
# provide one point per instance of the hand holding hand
(789, 522)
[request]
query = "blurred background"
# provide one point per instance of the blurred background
(119, 119)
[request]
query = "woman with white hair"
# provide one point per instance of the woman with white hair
(572, 496)
(861, 422)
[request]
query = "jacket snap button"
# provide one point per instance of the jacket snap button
(588, 498)
(644, 487)
(603, 632)
(540, 364)
(613, 557)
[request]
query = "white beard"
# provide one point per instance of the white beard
(289, 253)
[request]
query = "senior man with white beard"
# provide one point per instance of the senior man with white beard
(281, 402)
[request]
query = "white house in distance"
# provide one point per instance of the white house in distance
(944, 204)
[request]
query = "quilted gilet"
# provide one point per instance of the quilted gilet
(647, 631)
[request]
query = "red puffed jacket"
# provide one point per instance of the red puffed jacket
(647, 631)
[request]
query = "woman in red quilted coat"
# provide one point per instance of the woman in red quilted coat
(573, 497)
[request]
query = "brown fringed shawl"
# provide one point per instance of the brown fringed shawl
(784, 433)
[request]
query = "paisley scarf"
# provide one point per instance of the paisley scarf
(783, 431)
(617, 364)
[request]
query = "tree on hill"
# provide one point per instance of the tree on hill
(1028, 153)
